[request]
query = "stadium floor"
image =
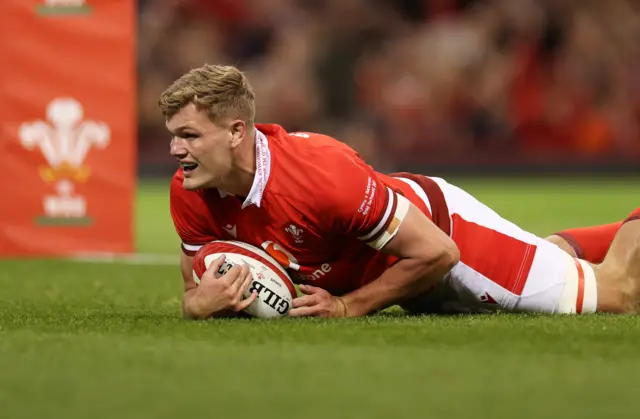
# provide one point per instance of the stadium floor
(105, 340)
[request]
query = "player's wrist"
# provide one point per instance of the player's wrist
(353, 307)
(343, 310)
(194, 306)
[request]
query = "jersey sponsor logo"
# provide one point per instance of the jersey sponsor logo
(323, 270)
(296, 233)
(288, 261)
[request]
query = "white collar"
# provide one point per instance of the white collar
(263, 169)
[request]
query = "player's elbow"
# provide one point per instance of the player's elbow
(449, 256)
(441, 260)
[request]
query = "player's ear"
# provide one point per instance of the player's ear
(238, 129)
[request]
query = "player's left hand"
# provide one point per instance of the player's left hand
(317, 303)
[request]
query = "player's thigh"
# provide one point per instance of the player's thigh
(558, 284)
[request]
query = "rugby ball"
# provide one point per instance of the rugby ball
(274, 286)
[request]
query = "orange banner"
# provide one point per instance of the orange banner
(67, 114)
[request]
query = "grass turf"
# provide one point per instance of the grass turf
(81, 340)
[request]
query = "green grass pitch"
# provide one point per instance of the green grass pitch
(105, 340)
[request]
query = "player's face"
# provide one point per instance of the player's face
(203, 149)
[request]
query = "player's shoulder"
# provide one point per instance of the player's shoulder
(320, 148)
(315, 171)
(310, 160)
(303, 144)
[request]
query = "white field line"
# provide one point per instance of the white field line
(130, 259)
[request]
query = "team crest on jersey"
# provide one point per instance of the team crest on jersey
(295, 232)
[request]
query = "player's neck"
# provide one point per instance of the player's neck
(244, 168)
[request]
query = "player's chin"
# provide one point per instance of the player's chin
(192, 183)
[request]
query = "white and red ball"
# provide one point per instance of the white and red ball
(274, 286)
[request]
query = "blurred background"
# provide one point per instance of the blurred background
(424, 85)
(481, 90)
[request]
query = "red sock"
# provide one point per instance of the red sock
(635, 215)
(592, 243)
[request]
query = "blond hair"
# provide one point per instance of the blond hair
(223, 91)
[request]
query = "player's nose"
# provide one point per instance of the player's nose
(177, 149)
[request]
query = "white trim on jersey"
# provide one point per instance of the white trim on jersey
(263, 170)
(385, 217)
(418, 190)
(390, 232)
(192, 247)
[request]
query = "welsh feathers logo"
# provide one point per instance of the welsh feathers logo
(64, 141)
(296, 233)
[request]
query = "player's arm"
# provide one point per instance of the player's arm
(425, 255)
(190, 287)
(215, 296)
(358, 204)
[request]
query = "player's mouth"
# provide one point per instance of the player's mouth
(188, 167)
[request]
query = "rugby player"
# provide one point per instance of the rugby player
(356, 240)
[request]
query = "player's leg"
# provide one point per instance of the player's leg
(618, 276)
(502, 266)
(552, 281)
(587, 243)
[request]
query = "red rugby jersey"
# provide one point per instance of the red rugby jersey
(315, 206)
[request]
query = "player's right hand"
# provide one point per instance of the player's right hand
(217, 294)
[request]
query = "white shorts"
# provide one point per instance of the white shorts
(503, 267)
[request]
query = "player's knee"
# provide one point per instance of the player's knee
(562, 244)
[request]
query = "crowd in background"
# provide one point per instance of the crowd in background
(410, 82)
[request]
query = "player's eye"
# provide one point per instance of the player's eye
(189, 136)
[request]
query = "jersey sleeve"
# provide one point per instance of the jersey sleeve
(189, 215)
(357, 203)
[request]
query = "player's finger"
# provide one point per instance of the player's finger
(309, 289)
(212, 270)
(216, 264)
(247, 301)
(304, 301)
(231, 275)
(304, 311)
(242, 287)
(238, 279)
